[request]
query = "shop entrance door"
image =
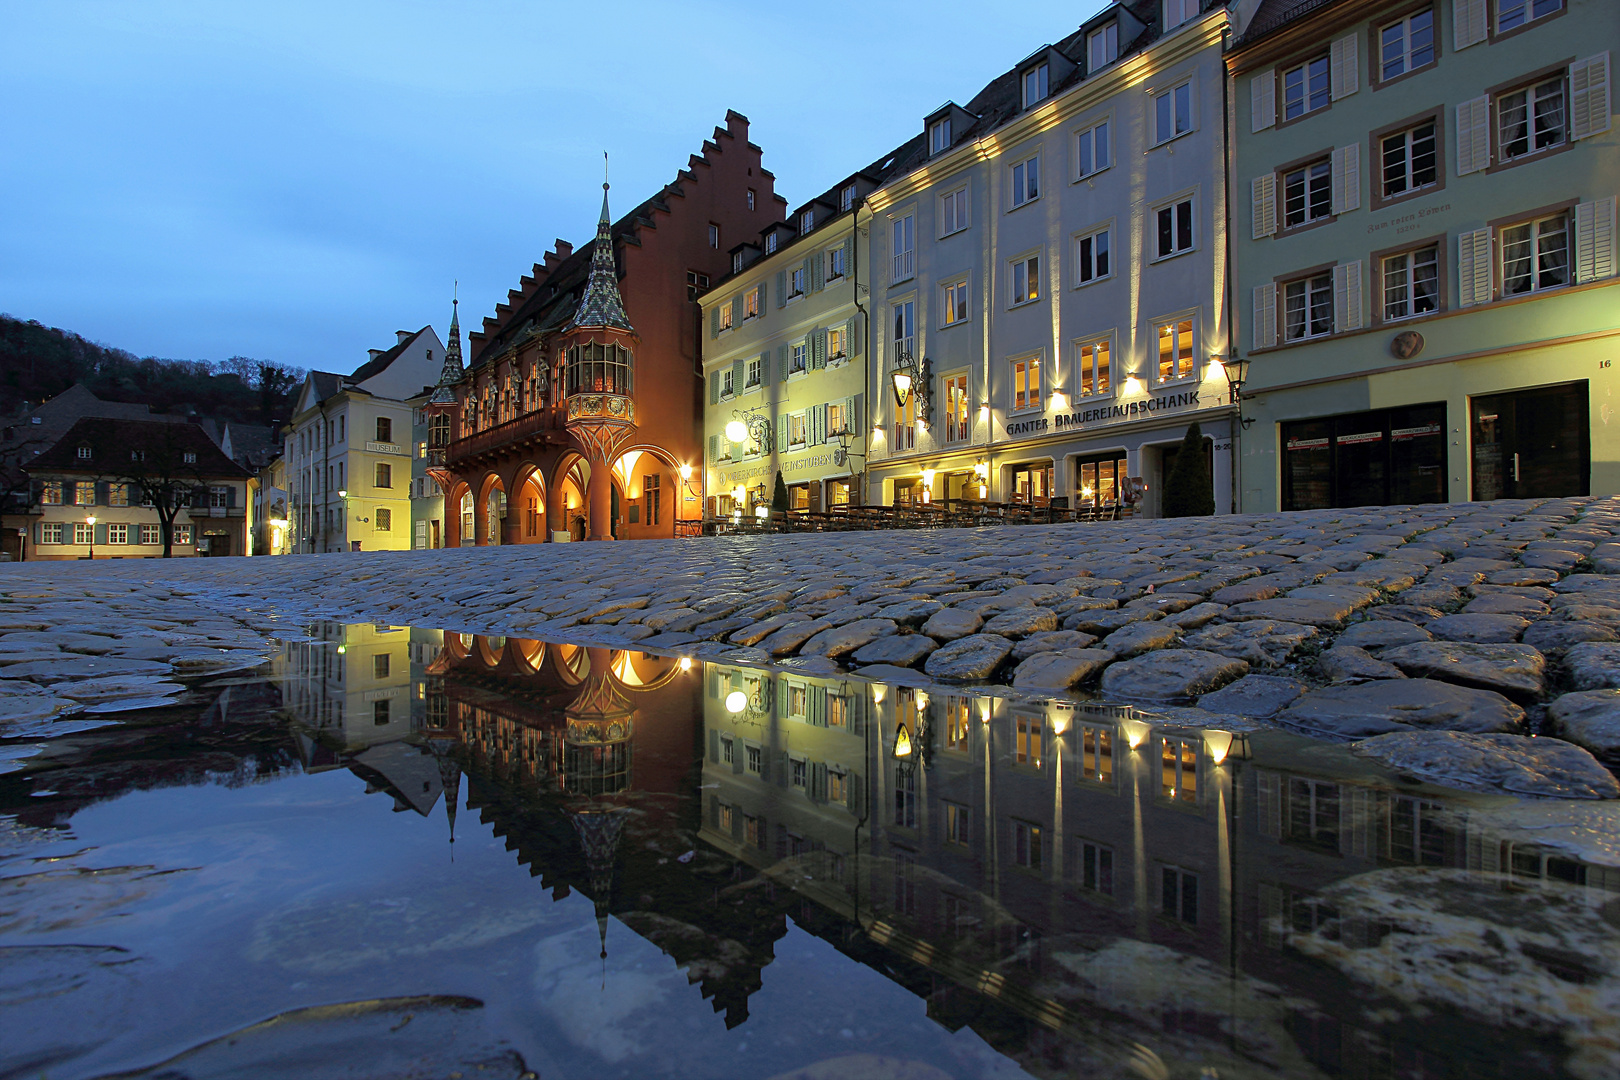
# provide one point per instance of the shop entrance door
(1032, 484)
(1532, 443)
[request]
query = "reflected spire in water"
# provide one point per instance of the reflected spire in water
(599, 829)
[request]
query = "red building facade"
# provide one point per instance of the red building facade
(580, 413)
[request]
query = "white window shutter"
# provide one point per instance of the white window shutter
(1473, 135)
(1263, 100)
(1347, 297)
(1467, 23)
(1265, 316)
(1263, 204)
(1473, 267)
(1594, 240)
(1347, 178)
(1589, 96)
(1344, 72)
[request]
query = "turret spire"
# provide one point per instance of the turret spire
(450, 374)
(602, 306)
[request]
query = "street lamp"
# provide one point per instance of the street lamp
(1237, 373)
(909, 378)
(91, 521)
(752, 424)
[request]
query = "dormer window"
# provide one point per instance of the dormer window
(736, 262)
(84, 453)
(846, 198)
(770, 244)
(1177, 12)
(190, 457)
(939, 136)
(1036, 84)
(807, 221)
(1102, 47)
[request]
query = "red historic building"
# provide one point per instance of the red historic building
(580, 413)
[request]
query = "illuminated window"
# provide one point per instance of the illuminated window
(1027, 750)
(956, 409)
(957, 713)
(118, 533)
(838, 788)
(84, 493)
(1026, 384)
(50, 532)
(1026, 280)
(957, 819)
(1179, 770)
(117, 494)
(50, 493)
(1092, 369)
(1027, 845)
(1097, 753)
(954, 309)
(751, 304)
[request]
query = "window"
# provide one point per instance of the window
(219, 496)
(1027, 845)
(1036, 84)
(1306, 88)
(1026, 385)
(1102, 47)
(846, 198)
(385, 475)
(1535, 255)
(380, 664)
(1026, 279)
(835, 263)
(151, 534)
(1091, 257)
(1406, 44)
(837, 705)
(385, 519)
(118, 533)
(1313, 812)
(770, 243)
(1027, 750)
(1026, 181)
(835, 343)
(726, 389)
(385, 429)
(1091, 365)
(736, 262)
(799, 770)
(750, 198)
(83, 533)
(714, 235)
(939, 135)
(838, 788)
(1409, 160)
(1097, 868)
(117, 494)
(753, 831)
(1531, 119)
(751, 303)
(1179, 899)
(754, 759)
(796, 282)
(1175, 229)
(652, 496)
(84, 453)
(1176, 357)
(51, 532)
(1093, 153)
(724, 311)
(953, 211)
(905, 329)
(751, 379)
(727, 749)
(189, 457)
(1513, 13)
(1412, 283)
(1179, 759)
(957, 818)
(807, 221)
(956, 408)
(905, 798)
(1172, 113)
(50, 493)
(903, 247)
(84, 493)
(1177, 12)
(1097, 753)
(796, 430)
(905, 438)
(1308, 193)
(955, 306)
(697, 284)
(1308, 307)
(796, 359)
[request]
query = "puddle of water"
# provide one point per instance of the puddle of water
(398, 852)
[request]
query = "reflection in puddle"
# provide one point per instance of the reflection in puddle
(748, 872)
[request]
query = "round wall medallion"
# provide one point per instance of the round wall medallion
(1407, 344)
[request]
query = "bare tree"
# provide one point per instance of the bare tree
(164, 471)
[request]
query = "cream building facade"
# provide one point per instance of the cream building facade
(349, 453)
(1049, 268)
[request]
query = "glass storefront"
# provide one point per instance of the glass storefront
(1531, 443)
(1099, 479)
(1376, 458)
(1032, 484)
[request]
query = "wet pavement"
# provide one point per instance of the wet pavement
(398, 852)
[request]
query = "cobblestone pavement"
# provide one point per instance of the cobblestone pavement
(1442, 628)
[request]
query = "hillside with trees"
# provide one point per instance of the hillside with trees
(38, 362)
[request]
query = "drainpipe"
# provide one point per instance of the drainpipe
(1231, 343)
(866, 319)
(326, 459)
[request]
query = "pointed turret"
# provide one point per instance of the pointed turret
(451, 372)
(601, 306)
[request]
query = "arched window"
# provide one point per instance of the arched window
(600, 369)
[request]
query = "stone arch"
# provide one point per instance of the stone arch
(453, 516)
(566, 494)
(653, 485)
(488, 509)
(526, 521)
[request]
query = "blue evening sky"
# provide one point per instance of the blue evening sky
(295, 181)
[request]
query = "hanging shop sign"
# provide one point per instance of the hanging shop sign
(1114, 413)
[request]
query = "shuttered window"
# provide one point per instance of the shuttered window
(1308, 193)
(1589, 96)
(1347, 296)
(1473, 135)
(1409, 160)
(1474, 267)
(1263, 101)
(1265, 316)
(1347, 178)
(1595, 240)
(1263, 205)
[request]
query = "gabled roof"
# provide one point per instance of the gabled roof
(379, 363)
(1275, 14)
(111, 441)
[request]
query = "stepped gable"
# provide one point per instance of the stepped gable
(548, 298)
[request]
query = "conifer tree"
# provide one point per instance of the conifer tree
(1189, 490)
(779, 497)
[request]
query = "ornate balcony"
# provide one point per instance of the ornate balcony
(528, 429)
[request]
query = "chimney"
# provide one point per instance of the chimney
(402, 335)
(375, 353)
